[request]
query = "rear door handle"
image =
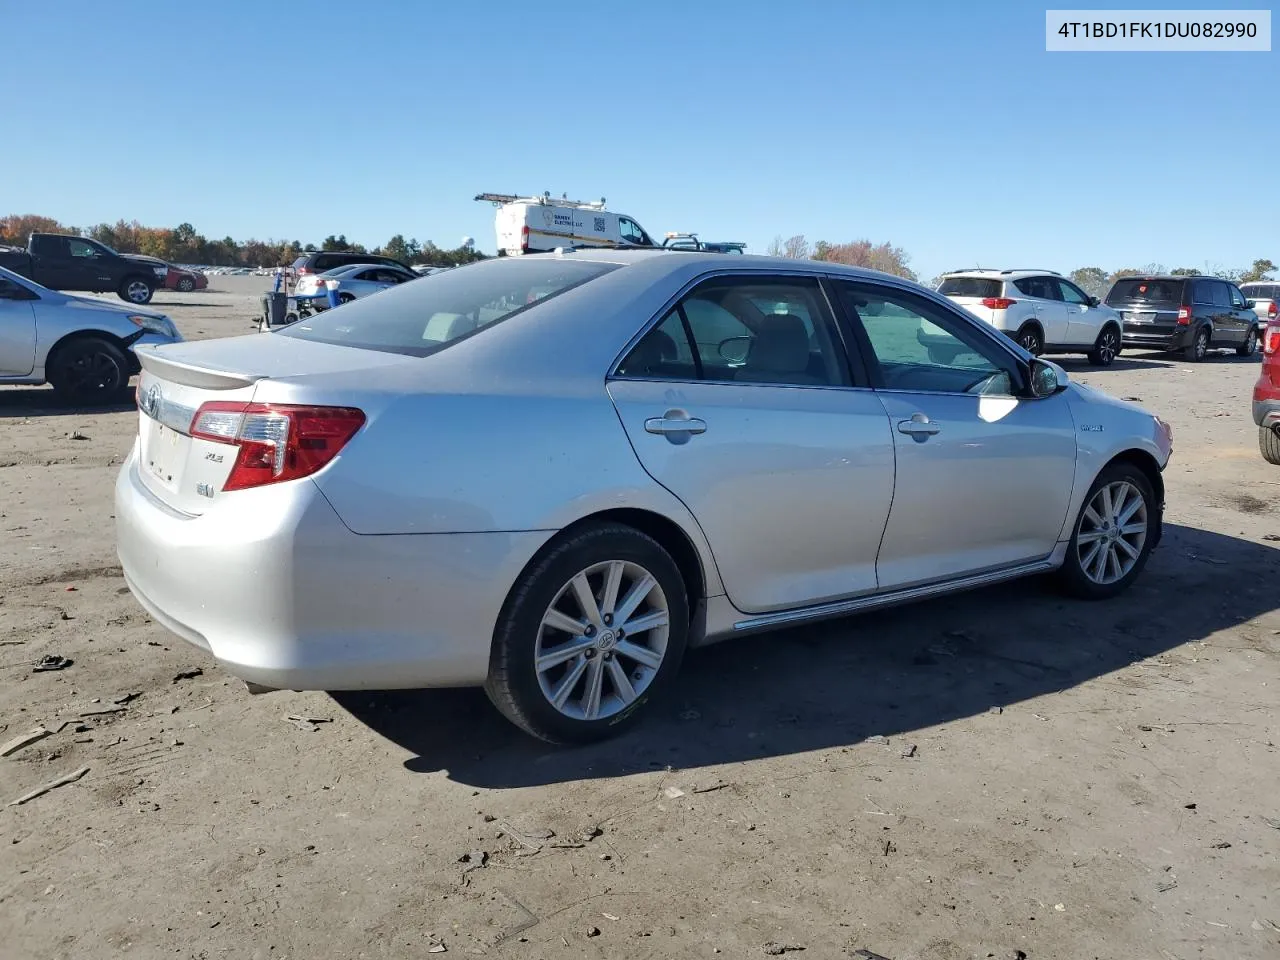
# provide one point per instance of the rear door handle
(919, 427)
(669, 425)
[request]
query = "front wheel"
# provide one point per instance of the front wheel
(186, 284)
(1250, 345)
(591, 632)
(1113, 535)
(88, 370)
(1199, 346)
(1106, 348)
(136, 290)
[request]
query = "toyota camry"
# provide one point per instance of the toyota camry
(551, 475)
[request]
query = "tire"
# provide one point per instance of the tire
(1106, 348)
(1084, 573)
(1031, 339)
(136, 290)
(345, 298)
(1269, 444)
(1198, 348)
(186, 284)
(545, 592)
(1250, 345)
(88, 370)
(944, 356)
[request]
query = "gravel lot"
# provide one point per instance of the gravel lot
(1002, 774)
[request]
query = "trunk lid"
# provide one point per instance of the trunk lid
(1148, 306)
(186, 473)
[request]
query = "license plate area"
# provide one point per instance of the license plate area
(164, 454)
(1140, 317)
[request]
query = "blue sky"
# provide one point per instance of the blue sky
(944, 128)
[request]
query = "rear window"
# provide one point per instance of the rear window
(423, 317)
(980, 287)
(1146, 291)
(1261, 291)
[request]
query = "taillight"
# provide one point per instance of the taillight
(1184, 315)
(998, 303)
(1272, 310)
(276, 442)
(1271, 339)
(524, 239)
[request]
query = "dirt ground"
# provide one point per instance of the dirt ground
(1005, 774)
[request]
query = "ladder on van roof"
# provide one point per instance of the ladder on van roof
(546, 198)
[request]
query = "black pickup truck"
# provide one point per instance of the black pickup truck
(77, 263)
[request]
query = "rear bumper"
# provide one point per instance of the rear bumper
(274, 586)
(1136, 336)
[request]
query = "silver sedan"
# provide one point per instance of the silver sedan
(356, 280)
(81, 345)
(550, 475)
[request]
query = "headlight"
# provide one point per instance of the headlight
(158, 325)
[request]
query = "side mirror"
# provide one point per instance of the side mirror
(1047, 379)
(1094, 301)
(1250, 304)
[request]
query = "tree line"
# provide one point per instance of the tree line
(182, 244)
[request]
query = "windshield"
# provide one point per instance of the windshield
(1146, 291)
(979, 287)
(422, 317)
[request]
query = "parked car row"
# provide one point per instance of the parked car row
(1046, 313)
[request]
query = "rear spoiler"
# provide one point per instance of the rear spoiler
(191, 374)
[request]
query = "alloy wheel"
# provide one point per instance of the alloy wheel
(137, 291)
(1107, 348)
(602, 640)
(1112, 532)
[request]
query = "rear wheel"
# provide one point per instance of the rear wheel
(1106, 348)
(1250, 345)
(1031, 340)
(345, 298)
(136, 290)
(1269, 444)
(1113, 535)
(1198, 348)
(88, 370)
(591, 632)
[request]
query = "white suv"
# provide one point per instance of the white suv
(1042, 310)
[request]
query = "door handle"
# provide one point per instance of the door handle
(919, 428)
(674, 425)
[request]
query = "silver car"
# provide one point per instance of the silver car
(1265, 297)
(81, 345)
(550, 475)
(356, 280)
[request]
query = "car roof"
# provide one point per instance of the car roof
(676, 260)
(990, 274)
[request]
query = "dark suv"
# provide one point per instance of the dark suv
(1191, 314)
(322, 262)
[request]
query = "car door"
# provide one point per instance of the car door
(1244, 318)
(741, 402)
(53, 266)
(17, 329)
(1210, 305)
(1051, 311)
(984, 475)
(90, 266)
(1083, 323)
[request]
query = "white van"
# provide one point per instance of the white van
(541, 224)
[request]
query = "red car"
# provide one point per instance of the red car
(1266, 395)
(185, 280)
(178, 278)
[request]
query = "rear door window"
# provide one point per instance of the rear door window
(1042, 288)
(760, 330)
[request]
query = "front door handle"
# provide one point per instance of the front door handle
(919, 428)
(675, 424)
